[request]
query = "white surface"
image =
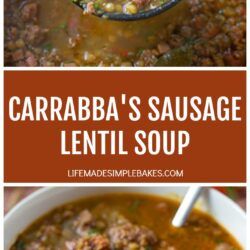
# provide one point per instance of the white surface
(219, 206)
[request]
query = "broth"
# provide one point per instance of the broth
(123, 221)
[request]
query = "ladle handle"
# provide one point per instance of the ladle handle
(186, 206)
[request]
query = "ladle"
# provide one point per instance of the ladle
(131, 17)
(186, 206)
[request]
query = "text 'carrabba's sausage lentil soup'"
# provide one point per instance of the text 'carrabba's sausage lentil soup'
(58, 33)
(192, 33)
(123, 222)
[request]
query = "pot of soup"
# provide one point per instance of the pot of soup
(103, 218)
(188, 33)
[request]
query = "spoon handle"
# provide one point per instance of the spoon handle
(186, 206)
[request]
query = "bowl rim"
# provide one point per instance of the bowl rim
(46, 189)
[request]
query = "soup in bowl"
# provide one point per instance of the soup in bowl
(85, 218)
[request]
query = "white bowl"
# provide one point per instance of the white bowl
(224, 210)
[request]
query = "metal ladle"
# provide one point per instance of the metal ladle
(132, 17)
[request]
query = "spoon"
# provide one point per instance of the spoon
(186, 206)
(130, 17)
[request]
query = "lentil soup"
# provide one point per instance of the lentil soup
(58, 33)
(123, 222)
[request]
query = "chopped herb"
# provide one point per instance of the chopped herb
(96, 6)
(61, 26)
(94, 231)
(47, 46)
(135, 205)
(232, 193)
(20, 245)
